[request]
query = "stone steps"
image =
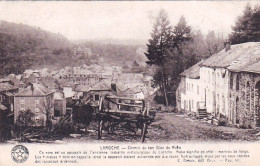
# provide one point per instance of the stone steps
(202, 113)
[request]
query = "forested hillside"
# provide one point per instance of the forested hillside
(23, 46)
(113, 51)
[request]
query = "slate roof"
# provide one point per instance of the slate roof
(2, 107)
(240, 57)
(134, 90)
(58, 96)
(121, 87)
(7, 87)
(49, 82)
(103, 85)
(31, 79)
(64, 83)
(193, 71)
(130, 77)
(81, 88)
(35, 90)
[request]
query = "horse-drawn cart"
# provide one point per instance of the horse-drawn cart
(131, 114)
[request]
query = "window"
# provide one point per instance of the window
(22, 104)
(22, 107)
(198, 89)
(22, 101)
(96, 97)
(209, 77)
(237, 113)
(223, 103)
(231, 81)
(213, 77)
(248, 96)
(237, 82)
(57, 113)
(218, 79)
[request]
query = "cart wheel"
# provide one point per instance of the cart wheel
(100, 126)
(144, 129)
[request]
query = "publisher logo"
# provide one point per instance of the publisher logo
(19, 153)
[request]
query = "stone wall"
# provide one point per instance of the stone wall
(244, 99)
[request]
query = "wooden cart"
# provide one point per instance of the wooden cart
(120, 110)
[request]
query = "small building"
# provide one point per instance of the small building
(59, 107)
(34, 101)
(67, 87)
(99, 90)
(189, 92)
(229, 83)
(79, 90)
(7, 91)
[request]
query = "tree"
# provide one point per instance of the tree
(213, 43)
(158, 46)
(48, 107)
(198, 46)
(247, 26)
(181, 51)
(181, 33)
(25, 118)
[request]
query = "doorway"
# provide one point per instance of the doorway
(257, 104)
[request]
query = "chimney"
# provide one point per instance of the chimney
(227, 45)
(32, 88)
(113, 87)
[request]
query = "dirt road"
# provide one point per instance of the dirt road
(174, 127)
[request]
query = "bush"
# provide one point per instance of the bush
(25, 118)
(159, 99)
(65, 128)
(223, 120)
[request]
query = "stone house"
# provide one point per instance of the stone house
(59, 106)
(99, 90)
(229, 80)
(79, 75)
(79, 90)
(67, 87)
(7, 91)
(190, 91)
(39, 100)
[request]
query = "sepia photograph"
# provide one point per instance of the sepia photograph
(128, 72)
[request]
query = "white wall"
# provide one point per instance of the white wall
(68, 92)
(193, 95)
(215, 83)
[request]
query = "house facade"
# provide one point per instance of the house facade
(59, 107)
(229, 84)
(35, 100)
(7, 92)
(190, 90)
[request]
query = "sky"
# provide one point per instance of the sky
(120, 20)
